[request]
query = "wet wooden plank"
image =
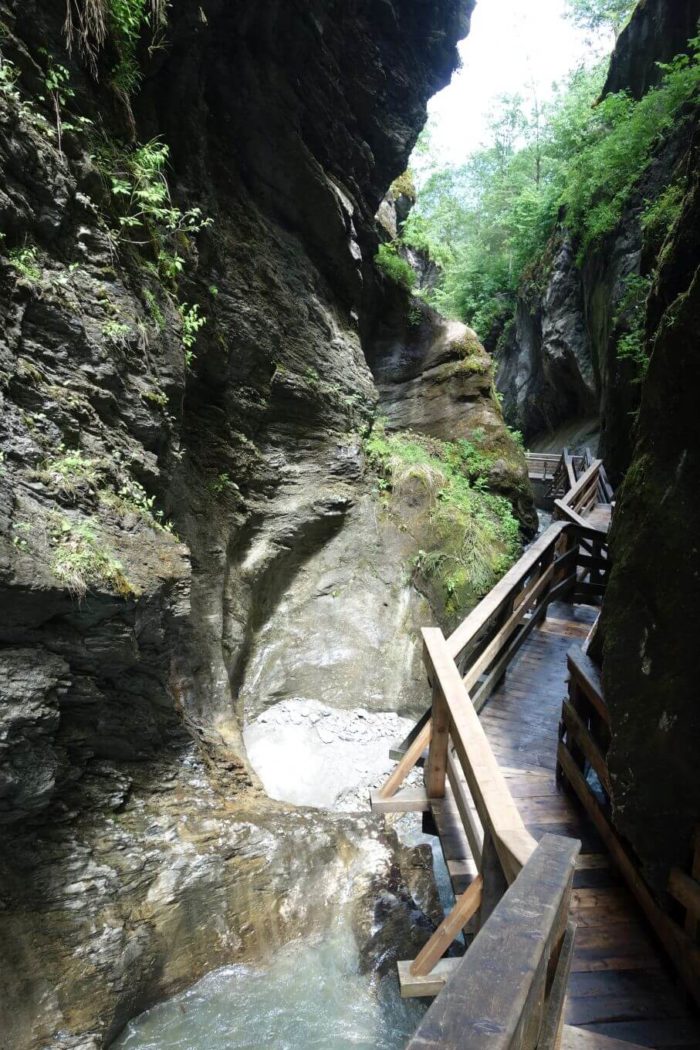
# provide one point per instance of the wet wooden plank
(579, 1039)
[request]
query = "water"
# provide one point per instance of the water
(311, 996)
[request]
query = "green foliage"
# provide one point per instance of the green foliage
(116, 332)
(404, 186)
(139, 182)
(80, 558)
(631, 314)
(154, 310)
(594, 15)
(70, 471)
(192, 321)
(90, 22)
(24, 261)
(131, 497)
(573, 163)
(620, 137)
(396, 269)
(156, 397)
(474, 535)
(8, 79)
(660, 215)
(221, 484)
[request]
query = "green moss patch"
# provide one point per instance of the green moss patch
(466, 536)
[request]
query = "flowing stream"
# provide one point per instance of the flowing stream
(312, 995)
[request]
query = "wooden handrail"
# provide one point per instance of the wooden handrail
(458, 749)
(504, 589)
(508, 988)
(498, 813)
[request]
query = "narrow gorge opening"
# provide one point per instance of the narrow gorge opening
(313, 318)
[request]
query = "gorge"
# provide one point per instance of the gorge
(241, 465)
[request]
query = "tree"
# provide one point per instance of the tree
(594, 15)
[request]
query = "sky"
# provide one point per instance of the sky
(511, 43)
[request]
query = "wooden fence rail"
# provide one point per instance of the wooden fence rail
(584, 739)
(508, 990)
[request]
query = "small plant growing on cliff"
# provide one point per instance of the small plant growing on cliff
(70, 471)
(89, 22)
(659, 216)
(24, 262)
(80, 558)
(631, 313)
(57, 82)
(192, 322)
(8, 80)
(140, 182)
(133, 498)
(396, 269)
(116, 332)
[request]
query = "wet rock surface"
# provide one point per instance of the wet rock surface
(137, 848)
(312, 755)
(650, 616)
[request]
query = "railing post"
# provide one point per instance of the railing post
(436, 768)
(495, 882)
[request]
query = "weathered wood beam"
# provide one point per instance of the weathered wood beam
(680, 948)
(582, 737)
(494, 999)
(450, 927)
(429, 985)
(409, 800)
(497, 811)
(406, 764)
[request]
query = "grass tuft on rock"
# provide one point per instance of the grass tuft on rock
(80, 559)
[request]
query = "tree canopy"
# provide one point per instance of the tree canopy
(571, 164)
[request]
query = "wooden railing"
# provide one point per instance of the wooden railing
(559, 471)
(542, 466)
(590, 488)
(508, 990)
(463, 670)
(584, 739)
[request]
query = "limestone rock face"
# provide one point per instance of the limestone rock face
(658, 30)
(545, 365)
(557, 359)
(650, 614)
(155, 507)
(434, 376)
(30, 680)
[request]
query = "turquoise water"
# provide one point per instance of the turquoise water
(310, 996)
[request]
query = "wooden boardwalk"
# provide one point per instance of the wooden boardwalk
(619, 984)
(564, 956)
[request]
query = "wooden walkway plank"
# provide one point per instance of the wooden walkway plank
(618, 975)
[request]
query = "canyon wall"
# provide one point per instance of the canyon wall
(650, 612)
(182, 418)
(557, 358)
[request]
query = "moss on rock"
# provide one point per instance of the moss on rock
(466, 535)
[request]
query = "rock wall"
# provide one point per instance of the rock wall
(158, 498)
(650, 612)
(557, 359)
